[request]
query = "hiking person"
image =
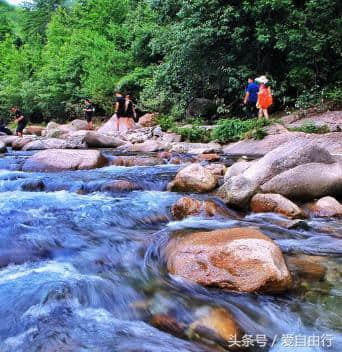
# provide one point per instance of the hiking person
(20, 119)
(130, 113)
(251, 98)
(119, 109)
(265, 99)
(88, 111)
(4, 129)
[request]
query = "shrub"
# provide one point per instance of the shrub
(193, 134)
(310, 127)
(166, 122)
(230, 130)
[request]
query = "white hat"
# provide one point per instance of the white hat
(262, 79)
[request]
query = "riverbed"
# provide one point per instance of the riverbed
(81, 269)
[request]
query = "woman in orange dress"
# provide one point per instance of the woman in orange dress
(265, 99)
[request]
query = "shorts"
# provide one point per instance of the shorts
(89, 118)
(21, 126)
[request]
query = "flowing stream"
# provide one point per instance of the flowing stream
(81, 269)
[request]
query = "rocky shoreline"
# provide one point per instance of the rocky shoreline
(297, 176)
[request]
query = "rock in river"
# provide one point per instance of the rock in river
(275, 203)
(298, 169)
(61, 159)
(187, 206)
(193, 178)
(214, 324)
(239, 259)
(325, 207)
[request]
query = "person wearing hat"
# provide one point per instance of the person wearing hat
(265, 99)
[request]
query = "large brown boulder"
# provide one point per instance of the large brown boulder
(193, 178)
(239, 259)
(295, 169)
(325, 207)
(62, 159)
(97, 140)
(275, 203)
(188, 206)
(148, 120)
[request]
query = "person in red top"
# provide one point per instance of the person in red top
(265, 99)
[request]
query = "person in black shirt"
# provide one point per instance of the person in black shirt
(88, 111)
(20, 119)
(119, 109)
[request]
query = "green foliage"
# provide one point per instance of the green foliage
(167, 53)
(310, 127)
(166, 122)
(230, 130)
(193, 133)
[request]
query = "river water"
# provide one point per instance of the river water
(81, 269)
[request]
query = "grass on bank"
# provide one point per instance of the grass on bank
(226, 130)
(310, 127)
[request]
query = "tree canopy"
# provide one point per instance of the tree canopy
(166, 52)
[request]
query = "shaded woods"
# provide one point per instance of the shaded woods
(166, 53)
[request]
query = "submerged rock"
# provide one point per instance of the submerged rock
(187, 206)
(61, 159)
(33, 186)
(120, 186)
(167, 323)
(216, 325)
(275, 203)
(193, 178)
(325, 207)
(307, 266)
(239, 259)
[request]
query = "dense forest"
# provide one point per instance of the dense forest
(167, 53)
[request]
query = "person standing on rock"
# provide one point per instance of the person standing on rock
(251, 98)
(265, 99)
(130, 113)
(88, 111)
(119, 110)
(20, 120)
